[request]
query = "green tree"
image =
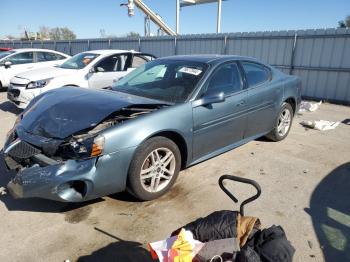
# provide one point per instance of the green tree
(344, 23)
(67, 34)
(132, 34)
(61, 33)
(44, 32)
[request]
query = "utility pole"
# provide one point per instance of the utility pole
(177, 17)
(218, 22)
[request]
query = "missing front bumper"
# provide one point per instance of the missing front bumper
(70, 181)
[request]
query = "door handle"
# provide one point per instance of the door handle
(241, 103)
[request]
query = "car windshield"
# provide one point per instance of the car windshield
(5, 53)
(168, 80)
(79, 61)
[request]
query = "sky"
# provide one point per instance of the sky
(87, 17)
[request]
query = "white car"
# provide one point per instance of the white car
(91, 69)
(16, 61)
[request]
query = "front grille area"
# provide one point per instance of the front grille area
(23, 150)
(17, 85)
(14, 92)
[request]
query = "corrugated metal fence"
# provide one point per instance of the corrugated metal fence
(320, 57)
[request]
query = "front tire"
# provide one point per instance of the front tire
(154, 168)
(283, 123)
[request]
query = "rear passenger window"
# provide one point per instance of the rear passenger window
(225, 79)
(137, 61)
(256, 74)
(47, 56)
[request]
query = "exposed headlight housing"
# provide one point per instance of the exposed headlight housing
(39, 83)
(97, 146)
(85, 148)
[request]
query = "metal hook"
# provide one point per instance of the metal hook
(241, 180)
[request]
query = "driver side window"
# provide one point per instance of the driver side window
(227, 79)
(112, 63)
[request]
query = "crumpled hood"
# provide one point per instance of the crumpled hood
(44, 73)
(67, 110)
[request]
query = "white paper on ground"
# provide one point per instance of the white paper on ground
(309, 106)
(321, 125)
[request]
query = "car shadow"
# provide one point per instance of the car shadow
(11, 108)
(121, 251)
(124, 197)
(330, 214)
(33, 204)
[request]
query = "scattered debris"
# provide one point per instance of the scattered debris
(252, 153)
(309, 106)
(312, 256)
(279, 213)
(262, 172)
(124, 214)
(305, 171)
(321, 125)
(3, 191)
(346, 121)
(310, 244)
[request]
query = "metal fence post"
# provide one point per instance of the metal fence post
(54, 46)
(225, 45)
(293, 54)
(88, 42)
(109, 43)
(175, 46)
(70, 48)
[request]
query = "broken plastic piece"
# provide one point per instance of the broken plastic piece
(2, 191)
(321, 125)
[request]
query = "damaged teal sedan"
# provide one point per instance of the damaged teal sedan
(74, 144)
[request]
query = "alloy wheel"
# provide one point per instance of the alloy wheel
(284, 122)
(157, 170)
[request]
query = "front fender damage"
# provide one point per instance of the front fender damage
(64, 169)
(69, 181)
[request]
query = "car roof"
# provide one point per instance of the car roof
(110, 51)
(209, 59)
(34, 49)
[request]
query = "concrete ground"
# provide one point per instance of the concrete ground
(305, 182)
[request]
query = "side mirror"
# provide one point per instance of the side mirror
(92, 70)
(7, 64)
(115, 80)
(208, 99)
(99, 69)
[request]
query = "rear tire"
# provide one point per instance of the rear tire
(283, 123)
(154, 168)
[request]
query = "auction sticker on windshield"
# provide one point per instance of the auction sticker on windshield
(189, 70)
